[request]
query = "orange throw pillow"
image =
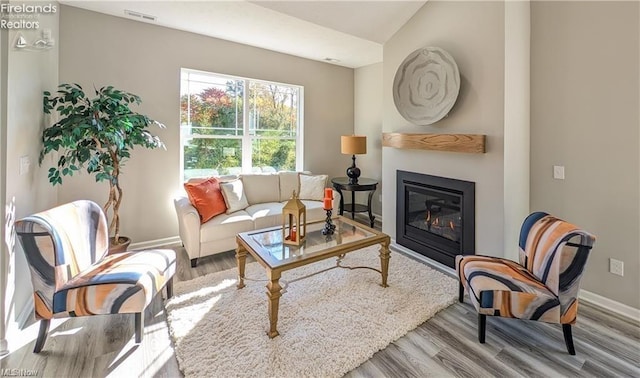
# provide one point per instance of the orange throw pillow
(206, 197)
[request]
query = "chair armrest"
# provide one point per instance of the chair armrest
(188, 225)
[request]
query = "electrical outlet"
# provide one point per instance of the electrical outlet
(558, 172)
(616, 267)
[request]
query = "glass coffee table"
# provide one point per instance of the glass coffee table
(267, 248)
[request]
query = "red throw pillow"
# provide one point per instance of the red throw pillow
(206, 197)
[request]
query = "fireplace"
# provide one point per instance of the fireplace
(435, 216)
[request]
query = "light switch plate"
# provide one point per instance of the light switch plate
(25, 163)
(558, 172)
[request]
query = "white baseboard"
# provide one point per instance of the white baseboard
(172, 241)
(587, 296)
(621, 309)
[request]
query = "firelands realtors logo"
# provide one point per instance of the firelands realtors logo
(23, 16)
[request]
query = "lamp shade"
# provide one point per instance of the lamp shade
(353, 144)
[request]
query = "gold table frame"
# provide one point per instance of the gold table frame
(274, 267)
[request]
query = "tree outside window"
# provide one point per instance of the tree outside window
(232, 125)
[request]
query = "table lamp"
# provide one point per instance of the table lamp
(353, 145)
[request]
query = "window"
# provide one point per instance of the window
(232, 125)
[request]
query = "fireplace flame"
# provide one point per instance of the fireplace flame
(435, 223)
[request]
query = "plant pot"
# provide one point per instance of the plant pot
(121, 247)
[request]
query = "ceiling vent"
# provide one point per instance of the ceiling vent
(142, 16)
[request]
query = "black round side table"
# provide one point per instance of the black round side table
(363, 185)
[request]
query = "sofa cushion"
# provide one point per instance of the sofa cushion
(266, 214)
(206, 197)
(119, 283)
(315, 212)
(226, 226)
(312, 187)
(288, 183)
(261, 188)
(234, 197)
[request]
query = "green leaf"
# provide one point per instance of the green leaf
(102, 176)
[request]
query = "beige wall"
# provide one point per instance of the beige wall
(146, 60)
(368, 121)
(473, 33)
(29, 73)
(517, 114)
(584, 115)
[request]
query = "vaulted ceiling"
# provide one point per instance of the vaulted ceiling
(346, 33)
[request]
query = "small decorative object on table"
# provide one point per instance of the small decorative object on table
(329, 227)
(294, 221)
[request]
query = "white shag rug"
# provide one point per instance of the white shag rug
(329, 323)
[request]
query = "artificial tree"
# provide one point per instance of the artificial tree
(97, 135)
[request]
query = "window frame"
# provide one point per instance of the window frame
(246, 138)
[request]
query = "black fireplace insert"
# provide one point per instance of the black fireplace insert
(435, 216)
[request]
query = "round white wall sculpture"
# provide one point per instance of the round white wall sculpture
(426, 85)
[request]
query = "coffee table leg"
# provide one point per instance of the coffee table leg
(384, 261)
(241, 259)
(274, 294)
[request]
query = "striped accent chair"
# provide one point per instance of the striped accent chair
(72, 274)
(543, 286)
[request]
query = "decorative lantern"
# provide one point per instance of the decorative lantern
(294, 221)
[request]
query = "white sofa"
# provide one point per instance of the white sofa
(266, 195)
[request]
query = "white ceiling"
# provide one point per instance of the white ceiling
(350, 31)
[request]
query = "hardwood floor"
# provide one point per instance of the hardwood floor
(446, 345)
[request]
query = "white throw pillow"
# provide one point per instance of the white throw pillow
(312, 187)
(234, 197)
(288, 183)
(261, 188)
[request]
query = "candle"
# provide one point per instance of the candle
(328, 204)
(293, 235)
(328, 193)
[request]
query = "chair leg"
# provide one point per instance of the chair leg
(194, 262)
(170, 288)
(461, 293)
(568, 339)
(139, 320)
(482, 327)
(42, 335)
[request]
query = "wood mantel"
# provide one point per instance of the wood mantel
(472, 143)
